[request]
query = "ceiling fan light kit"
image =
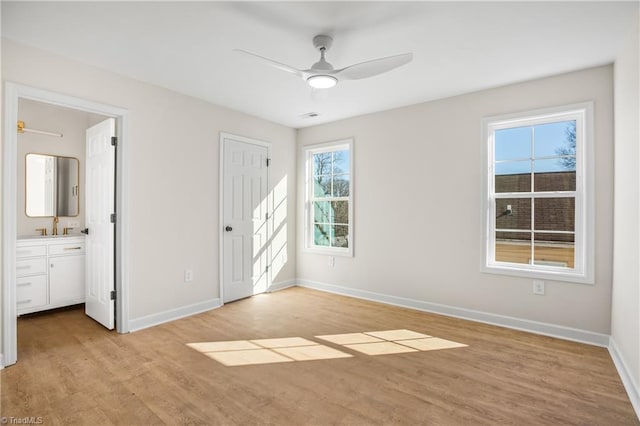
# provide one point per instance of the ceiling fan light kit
(321, 81)
(322, 75)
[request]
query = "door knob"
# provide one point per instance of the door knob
(85, 231)
(228, 228)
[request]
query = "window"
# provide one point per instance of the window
(329, 204)
(538, 211)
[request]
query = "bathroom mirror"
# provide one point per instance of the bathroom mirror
(51, 185)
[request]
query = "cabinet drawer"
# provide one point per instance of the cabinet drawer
(66, 248)
(31, 292)
(31, 266)
(31, 251)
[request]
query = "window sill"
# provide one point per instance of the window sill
(329, 251)
(538, 273)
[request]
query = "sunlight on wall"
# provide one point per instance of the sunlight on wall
(270, 250)
(278, 242)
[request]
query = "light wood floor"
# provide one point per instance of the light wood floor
(71, 371)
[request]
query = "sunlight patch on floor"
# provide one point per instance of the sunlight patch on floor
(380, 348)
(283, 342)
(390, 342)
(266, 351)
(309, 353)
(349, 338)
(394, 335)
(247, 357)
(288, 349)
(431, 344)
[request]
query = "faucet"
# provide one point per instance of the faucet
(54, 231)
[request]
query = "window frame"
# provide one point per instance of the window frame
(310, 151)
(584, 228)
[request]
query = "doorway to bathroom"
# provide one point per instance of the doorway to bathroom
(96, 135)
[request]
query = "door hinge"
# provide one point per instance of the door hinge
(266, 216)
(114, 141)
(268, 162)
(266, 268)
(113, 295)
(113, 218)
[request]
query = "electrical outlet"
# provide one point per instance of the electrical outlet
(73, 224)
(188, 275)
(538, 287)
(332, 261)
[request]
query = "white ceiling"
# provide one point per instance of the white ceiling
(458, 47)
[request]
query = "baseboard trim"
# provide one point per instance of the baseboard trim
(630, 384)
(173, 314)
(561, 332)
(281, 285)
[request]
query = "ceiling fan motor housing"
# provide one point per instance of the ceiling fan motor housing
(322, 42)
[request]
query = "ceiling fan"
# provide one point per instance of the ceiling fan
(322, 75)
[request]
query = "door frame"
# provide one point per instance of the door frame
(12, 93)
(221, 224)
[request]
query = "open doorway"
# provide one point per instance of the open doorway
(63, 266)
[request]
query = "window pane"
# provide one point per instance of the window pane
(512, 144)
(321, 211)
(552, 175)
(340, 162)
(340, 212)
(554, 250)
(555, 139)
(513, 247)
(322, 164)
(554, 214)
(513, 176)
(340, 236)
(341, 186)
(322, 186)
(520, 217)
(321, 234)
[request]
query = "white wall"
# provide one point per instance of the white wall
(174, 169)
(72, 124)
(625, 310)
(418, 205)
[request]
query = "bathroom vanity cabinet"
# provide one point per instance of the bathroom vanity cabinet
(50, 272)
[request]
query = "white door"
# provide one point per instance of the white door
(100, 204)
(244, 206)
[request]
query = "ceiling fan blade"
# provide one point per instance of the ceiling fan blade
(274, 64)
(374, 67)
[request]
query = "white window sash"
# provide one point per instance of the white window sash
(584, 228)
(310, 151)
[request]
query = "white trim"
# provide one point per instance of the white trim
(545, 329)
(309, 150)
(221, 223)
(281, 285)
(584, 271)
(158, 318)
(12, 93)
(630, 384)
